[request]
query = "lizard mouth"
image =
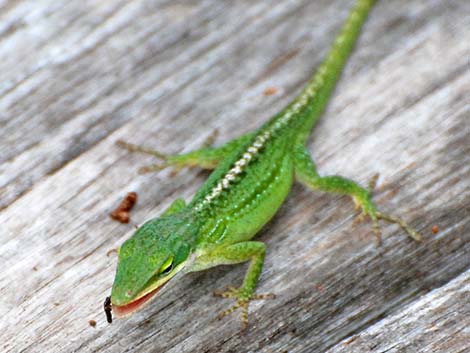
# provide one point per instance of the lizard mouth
(132, 307)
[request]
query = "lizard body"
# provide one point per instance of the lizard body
(252, 176)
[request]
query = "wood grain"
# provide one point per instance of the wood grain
(79, 75)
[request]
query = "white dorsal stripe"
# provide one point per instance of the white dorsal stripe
(239, 166)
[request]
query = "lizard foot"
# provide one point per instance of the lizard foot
(152, 167)
(368, 209)
(242, 303)
(142, 149)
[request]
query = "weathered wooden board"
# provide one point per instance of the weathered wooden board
(78, 75)
(438, 322)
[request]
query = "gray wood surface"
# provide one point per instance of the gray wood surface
(78, 75)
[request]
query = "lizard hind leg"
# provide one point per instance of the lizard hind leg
(205, 157)
(307, 174)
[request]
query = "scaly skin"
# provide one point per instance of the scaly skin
(253, 175)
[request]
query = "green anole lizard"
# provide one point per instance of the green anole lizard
(252, 176)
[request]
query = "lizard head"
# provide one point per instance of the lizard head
(157, 251)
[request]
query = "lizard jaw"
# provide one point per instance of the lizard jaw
(132, 307)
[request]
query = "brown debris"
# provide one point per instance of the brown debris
(350, 340)
(92, 323)
(122, 212)
(435, 229)
(270, 91)
(111, 252)
(320, 288)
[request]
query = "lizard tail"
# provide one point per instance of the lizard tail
(308, 106)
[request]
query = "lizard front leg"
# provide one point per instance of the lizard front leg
(307, 174)
(252, 251)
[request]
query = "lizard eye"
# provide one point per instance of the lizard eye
(167, 267)
(167, 270)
